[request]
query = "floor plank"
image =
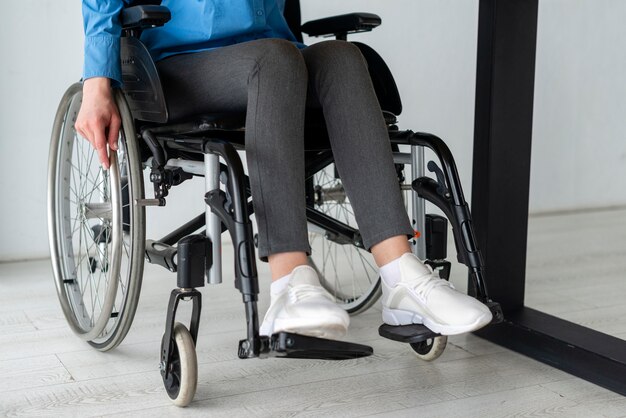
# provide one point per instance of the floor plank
(576, 268)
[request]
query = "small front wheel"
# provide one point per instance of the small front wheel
(430, 349)
(182, 377)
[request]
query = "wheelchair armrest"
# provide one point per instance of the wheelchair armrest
(145, 16)
(342, 24)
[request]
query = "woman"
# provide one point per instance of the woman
(239, 55)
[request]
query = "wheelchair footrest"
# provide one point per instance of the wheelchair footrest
(413, 333)
(289, 345)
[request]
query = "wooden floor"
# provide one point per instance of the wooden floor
(46, 370)
(576, 268)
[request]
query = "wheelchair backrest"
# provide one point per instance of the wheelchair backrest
(293, 18)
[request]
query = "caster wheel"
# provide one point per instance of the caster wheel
(180, 384)
(430, 349)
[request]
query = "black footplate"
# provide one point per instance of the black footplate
(416, 333)
(413, 333)
(289, 345)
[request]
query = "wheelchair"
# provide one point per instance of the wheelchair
(96, 218)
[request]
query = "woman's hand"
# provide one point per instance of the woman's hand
(99, 120)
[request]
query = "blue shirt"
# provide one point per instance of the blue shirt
(196, 25)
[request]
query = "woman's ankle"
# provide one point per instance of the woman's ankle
(390, 249)
(282, 264)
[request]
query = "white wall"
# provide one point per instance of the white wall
(430, 46)
(40, 55)
(579, 135)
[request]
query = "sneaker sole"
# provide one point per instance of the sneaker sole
(313, 328)
(400, 317)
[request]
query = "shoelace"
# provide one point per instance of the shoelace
(307, 291)
(423, 286)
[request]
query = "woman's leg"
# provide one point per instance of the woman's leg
(340, 81)
(283, 263)
(268, 78)
(390, 249)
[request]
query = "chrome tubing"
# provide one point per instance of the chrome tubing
(418, 205)
(213, 222)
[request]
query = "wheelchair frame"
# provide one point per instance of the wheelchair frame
(201, 144)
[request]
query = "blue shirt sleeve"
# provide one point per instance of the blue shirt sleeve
(102, 39)
(195, 26)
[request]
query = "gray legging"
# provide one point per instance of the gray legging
(270, 78)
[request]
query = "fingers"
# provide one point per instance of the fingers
(99, 134)
(114, 132)
(82, 133)
(96, 138)
(100, 144)
(98, 120)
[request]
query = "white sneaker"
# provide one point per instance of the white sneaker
(305, 307)
(421, 297)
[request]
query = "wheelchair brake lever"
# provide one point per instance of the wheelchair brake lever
(442, 189)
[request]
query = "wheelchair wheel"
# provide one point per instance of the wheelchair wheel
(96, 232)
(348, 272)
(182, 378)
(430, 349)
